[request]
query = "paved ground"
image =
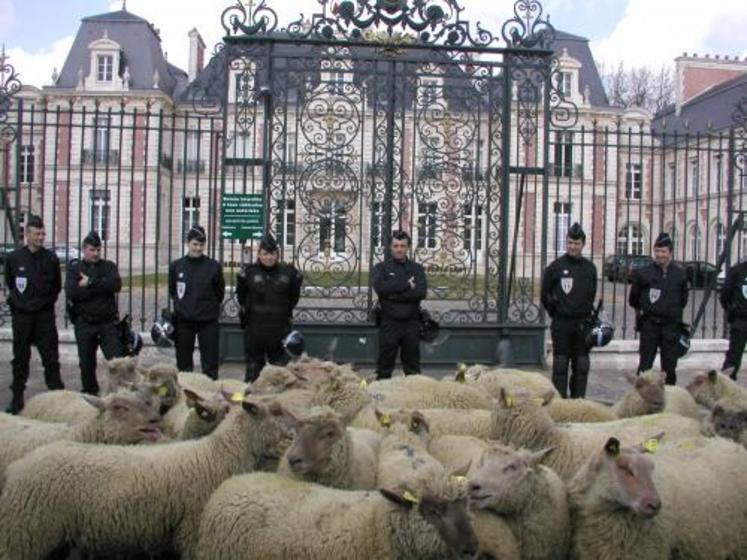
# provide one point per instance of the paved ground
(605, 385)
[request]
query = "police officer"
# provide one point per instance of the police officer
(659, 296)
(569, 287)
(733, 299)
(267, 292)
(197, 287)
(91, 286)
(32, 274)
(401, 285)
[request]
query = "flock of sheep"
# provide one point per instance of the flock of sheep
(312, 461)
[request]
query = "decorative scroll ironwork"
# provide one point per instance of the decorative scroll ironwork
(528, 28)
(563, 111)
(523, 308)
(10, 85)
(739, 118)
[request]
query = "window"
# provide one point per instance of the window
(100, 213)
(630, 240)
(565, 84)
(720, 237)
(193, 163)
(427, 220)
(673, 180)
(633, 181)
(473, 217)
(285, 222)
(193, 143)
(562, 213)
(102, 133)
(290, 148)
(27, 164)
(336, 82)
(563, 154)
(693, 240)
(244, 87)
(377, 224)
(105, 67)
(718, 173)
(694, 177)
(332, 224)
(429, 89)
(190, 214)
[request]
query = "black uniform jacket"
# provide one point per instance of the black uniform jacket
(97, 301)
(197, 288)
(657, 294)
(398, 300)
(569, 287)
(268, 295)
(34, 280)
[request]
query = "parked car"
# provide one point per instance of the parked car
(620, 267)
(66, 254)
(701, 274)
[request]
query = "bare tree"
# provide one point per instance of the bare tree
(638, 87)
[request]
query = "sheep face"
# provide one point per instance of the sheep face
(206, 412)
(650, 387)
(728, 422)
(270, 434)
(505, 479)
(450, 518)
(314, 443)
(521, 415)
(164, 382)
(121, 372)
(128, 415)
(622, 478)
(276, 379)
(705, 388)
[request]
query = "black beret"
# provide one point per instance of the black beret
(268, 243)
(93, 239)
(663, 240)
(197, 232)
(35, 221)
(576, 232)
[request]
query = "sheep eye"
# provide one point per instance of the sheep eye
(509, 468)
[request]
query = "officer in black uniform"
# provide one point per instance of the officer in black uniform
(569, 287)
(267, 292)
(401, 285)
(659, 296)
(733, 299)
(91, 286)
(197, 287)
(32, 274)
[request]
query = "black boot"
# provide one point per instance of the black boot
(17, 404)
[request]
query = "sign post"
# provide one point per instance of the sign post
(242, 216)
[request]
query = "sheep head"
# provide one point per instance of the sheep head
(505, 479)
(728, 419)
(705, 388)
(121, 372)
(618, 478)
(276, 379)
(443, 505)
(317, 437)
(127, 417)
(206, 412)
(650, 388)
(519, 419)
(163, 379)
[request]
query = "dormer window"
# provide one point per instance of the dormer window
(565, 84)
(105, 66)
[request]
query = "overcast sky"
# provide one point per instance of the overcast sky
(39, 33)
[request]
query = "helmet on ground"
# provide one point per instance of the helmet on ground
(131, 341)
(162, 332)
(294, 344)
(601, 331)
(682, 340)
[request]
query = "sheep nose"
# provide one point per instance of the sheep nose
(651, 507)
(295, 461)
(474, 487)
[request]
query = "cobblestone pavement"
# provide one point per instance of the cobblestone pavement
(605, 385)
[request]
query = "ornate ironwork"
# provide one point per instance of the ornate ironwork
(10, 85)
(739, 118)
(528, 28)
(563, 111)
(523, 308)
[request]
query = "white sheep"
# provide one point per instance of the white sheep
(196, 415)
(528, 497)
(707, 388)
(492, 380)
(441, 421)
(326, 452)
(728, 419)
(110, 499)
(688, 499)
(523, 423)
(649, 395)
(266, 516)
(419, 391)
(580, 410)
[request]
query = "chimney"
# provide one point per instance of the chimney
(696, 75)
(196, 54)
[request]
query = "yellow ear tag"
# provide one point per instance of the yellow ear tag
(509, 401)
(363, 384)
(538, 402)
(385, 420)
(462, 479)
(651, 445)
(410, 497)
(163, 391)
(237, 397)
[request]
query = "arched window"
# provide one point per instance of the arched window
(630, 240)
(693, 242)
(719, 235)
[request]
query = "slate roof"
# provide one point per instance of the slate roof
(578, 48)
(716, 105)
(141, 48)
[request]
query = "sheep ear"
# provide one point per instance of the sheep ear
(460, 376)
(419, 424)
(505, 399)
(401, 498)
(96, 402)
(384, 419)
(713, 376)
(548, 397)
(462, 471)
(192, 397)
(717, 409)
(253, 408)
(535, 458)
(612, 447)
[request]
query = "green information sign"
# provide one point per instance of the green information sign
(243, 216)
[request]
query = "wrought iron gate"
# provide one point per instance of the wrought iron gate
(389, 114)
